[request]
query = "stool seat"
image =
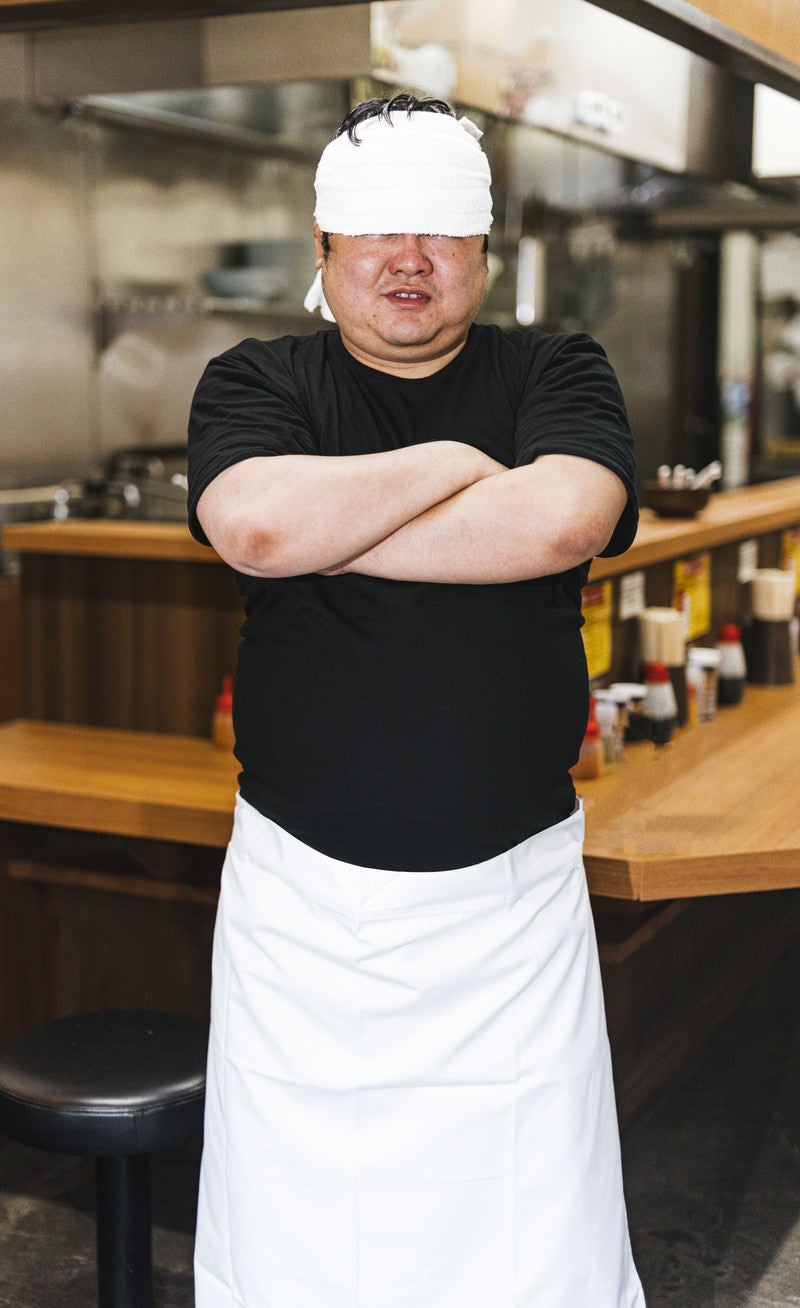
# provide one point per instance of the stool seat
(105, 1084)
(117, 1086)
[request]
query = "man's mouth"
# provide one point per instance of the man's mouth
(409, 297)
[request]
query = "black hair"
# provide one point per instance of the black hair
(403, 102)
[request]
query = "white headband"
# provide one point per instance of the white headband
(420, 172)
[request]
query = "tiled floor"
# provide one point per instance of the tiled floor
(712, 1171)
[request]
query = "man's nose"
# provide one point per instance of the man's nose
(410, 255)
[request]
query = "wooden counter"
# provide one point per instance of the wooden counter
(728, 516)
(111, 844)
(98, 538)
(146, 784)
(712, 813)
(716, 811)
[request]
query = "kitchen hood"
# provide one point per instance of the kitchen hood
(278, 83)
(572, 69)
(237, 50)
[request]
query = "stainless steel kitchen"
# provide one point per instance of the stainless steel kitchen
(157, 184)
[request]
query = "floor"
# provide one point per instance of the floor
(712, 1176)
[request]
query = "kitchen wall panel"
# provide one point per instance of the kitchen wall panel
(45, 341)
(165, 211)
(105, 233)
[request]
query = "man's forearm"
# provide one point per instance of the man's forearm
(294, 514)
(527, 522)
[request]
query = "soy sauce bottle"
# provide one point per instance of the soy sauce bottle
(732, 665)
(660, 705)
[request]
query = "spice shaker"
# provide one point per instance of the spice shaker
(629, 696)
(607, 714)
(703, 671)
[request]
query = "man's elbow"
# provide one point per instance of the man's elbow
(249, 548)
(581, 537)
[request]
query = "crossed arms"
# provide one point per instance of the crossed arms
(439, 512)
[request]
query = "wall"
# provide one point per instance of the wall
(166, 211)
(106, 232)
(45, 341)
(104, 237)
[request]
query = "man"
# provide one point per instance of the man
(409, 1094)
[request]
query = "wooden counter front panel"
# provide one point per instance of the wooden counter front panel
(93, 921)
(133, 643)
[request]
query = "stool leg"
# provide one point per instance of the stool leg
(124, 1239)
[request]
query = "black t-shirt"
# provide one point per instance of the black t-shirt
(409, 725)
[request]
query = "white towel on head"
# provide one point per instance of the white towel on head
(420, 172)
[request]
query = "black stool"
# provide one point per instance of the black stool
(117, 1086)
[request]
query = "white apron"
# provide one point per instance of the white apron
(409, 1098)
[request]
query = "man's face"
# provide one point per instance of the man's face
(403, 303)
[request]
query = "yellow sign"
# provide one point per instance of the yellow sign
(790, 552)
(596, 607)
(691, 581)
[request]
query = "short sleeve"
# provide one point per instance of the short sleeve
(572, 404)
(245, 406)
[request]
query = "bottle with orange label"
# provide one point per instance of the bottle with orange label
(222, 721)
(590, 760)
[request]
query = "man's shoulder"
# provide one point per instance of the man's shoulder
(532, 354)
(515, 344)
(519, 356)
(288, 352)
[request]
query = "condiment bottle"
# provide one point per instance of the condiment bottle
(703, 671)
(607, 714)
(732, 665)
(222, 723)
(660, 705)
(590, 759)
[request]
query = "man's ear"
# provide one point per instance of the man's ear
(319, 253)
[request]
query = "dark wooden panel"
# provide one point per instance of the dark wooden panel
(72, 939)
(664, 1000)
(131, 643)
(10, 650)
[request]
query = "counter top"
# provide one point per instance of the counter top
(130, 783)
(729, 516)
(98, 538)
(713, 812)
